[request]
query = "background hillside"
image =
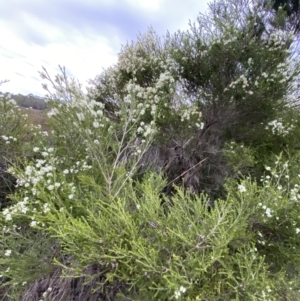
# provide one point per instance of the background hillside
(29, 101)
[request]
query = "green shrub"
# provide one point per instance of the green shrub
(17, 136)
(175, 178)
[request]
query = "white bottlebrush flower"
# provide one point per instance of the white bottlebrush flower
(268, 212)
(182, 289)
(50, 187)
(52, 113)
(96, 124)
(140, 130)
(33, 223)
(99, 113)
(8, 217)
(127, 99)
(46, 208)
(13, 102)
(178, 293)
(7, 253)
(242, 188)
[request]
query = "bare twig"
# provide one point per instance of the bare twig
(186, 171)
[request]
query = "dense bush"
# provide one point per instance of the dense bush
(175, 178)
(16, 138)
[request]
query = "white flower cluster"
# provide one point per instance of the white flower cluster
(268, 212)
(280, 38)
(43, 168)
(6, 98)
(9, 139)
(241, 81)
(230, 40)
(261, 238)
(150, 96)
(277, 127)
(146, 129)
(295, 193)
(151, 76)
(84, 119)
(188, 112)
(7, 253)
(275, 175)
(42, 173)
(279, 179)
(80, 110)
(284, 73)
(144, 81)
(52, 112)
(265, 294)
(179, 292)
(10, 107)
(45, 294)
(19, 208)
(242, 188)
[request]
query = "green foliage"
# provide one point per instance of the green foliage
(175, 178)
(238, 156)
(16, 138)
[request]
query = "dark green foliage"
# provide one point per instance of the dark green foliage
(290, 6)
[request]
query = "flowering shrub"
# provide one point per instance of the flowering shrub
(278, 128)
(95, 215)
(240, 157)
(175, 178)
(16, 137)
(179, 250)
(16, 133)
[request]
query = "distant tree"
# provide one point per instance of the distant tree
(289, 6)
(290, 10)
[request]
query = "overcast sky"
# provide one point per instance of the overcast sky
(85, 36)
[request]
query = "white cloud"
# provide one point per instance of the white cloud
(41, 27)
(83, 59)
(150, 6)
(82, 35)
